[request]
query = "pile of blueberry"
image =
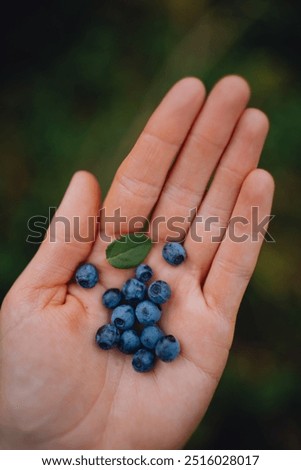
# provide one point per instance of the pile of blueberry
(136, 309)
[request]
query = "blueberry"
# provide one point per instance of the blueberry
(129, 342)
(123, 317)
(144, 272)
(174, 253)
(86, 275)
(168, 348)
(133, 290)
(107, 337)
(143, 360)
(111, 298)
(150, 335)
(147, 312)
(159, 292)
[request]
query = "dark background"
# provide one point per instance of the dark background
(78, 80)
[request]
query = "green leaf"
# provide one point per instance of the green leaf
(129, 250)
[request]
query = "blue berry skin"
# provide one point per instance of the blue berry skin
(129, 342)
(150, 335)
(167, 348)
(133, 290)
(159, 292)
(144, 272)
(174, 253)
(111, 298)
(107, 337)
(123, 317)
(143, 360)
(86, 276)
(147, 313)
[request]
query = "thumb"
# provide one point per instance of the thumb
(70, 236)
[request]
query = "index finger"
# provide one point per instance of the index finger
(139, 179)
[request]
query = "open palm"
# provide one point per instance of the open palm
(58, 390)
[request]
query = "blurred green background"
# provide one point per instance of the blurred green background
(78, 80)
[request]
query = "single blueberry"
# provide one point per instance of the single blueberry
(150, 335)
(174, 253)
(129, 342)
(143, 360)
(147, 312)
(123, 317)
(144, 272)
(86, 276)
(133, 290)
(168, 348)
(159, 292)
(107, 337)
(111, 298)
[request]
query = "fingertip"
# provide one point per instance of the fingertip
(83, 179)
(255, 120)
(189, 88)
(86, 177)
(231, 85)
(259, 183)
(265, 179)
(192, 83)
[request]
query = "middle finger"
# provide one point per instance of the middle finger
(186, 184)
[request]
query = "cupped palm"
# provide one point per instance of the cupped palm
(58, 389)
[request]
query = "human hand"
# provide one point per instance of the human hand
(57, 388)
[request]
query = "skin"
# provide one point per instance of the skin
(57, 388)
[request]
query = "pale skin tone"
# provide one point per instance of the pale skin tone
(57, 388)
